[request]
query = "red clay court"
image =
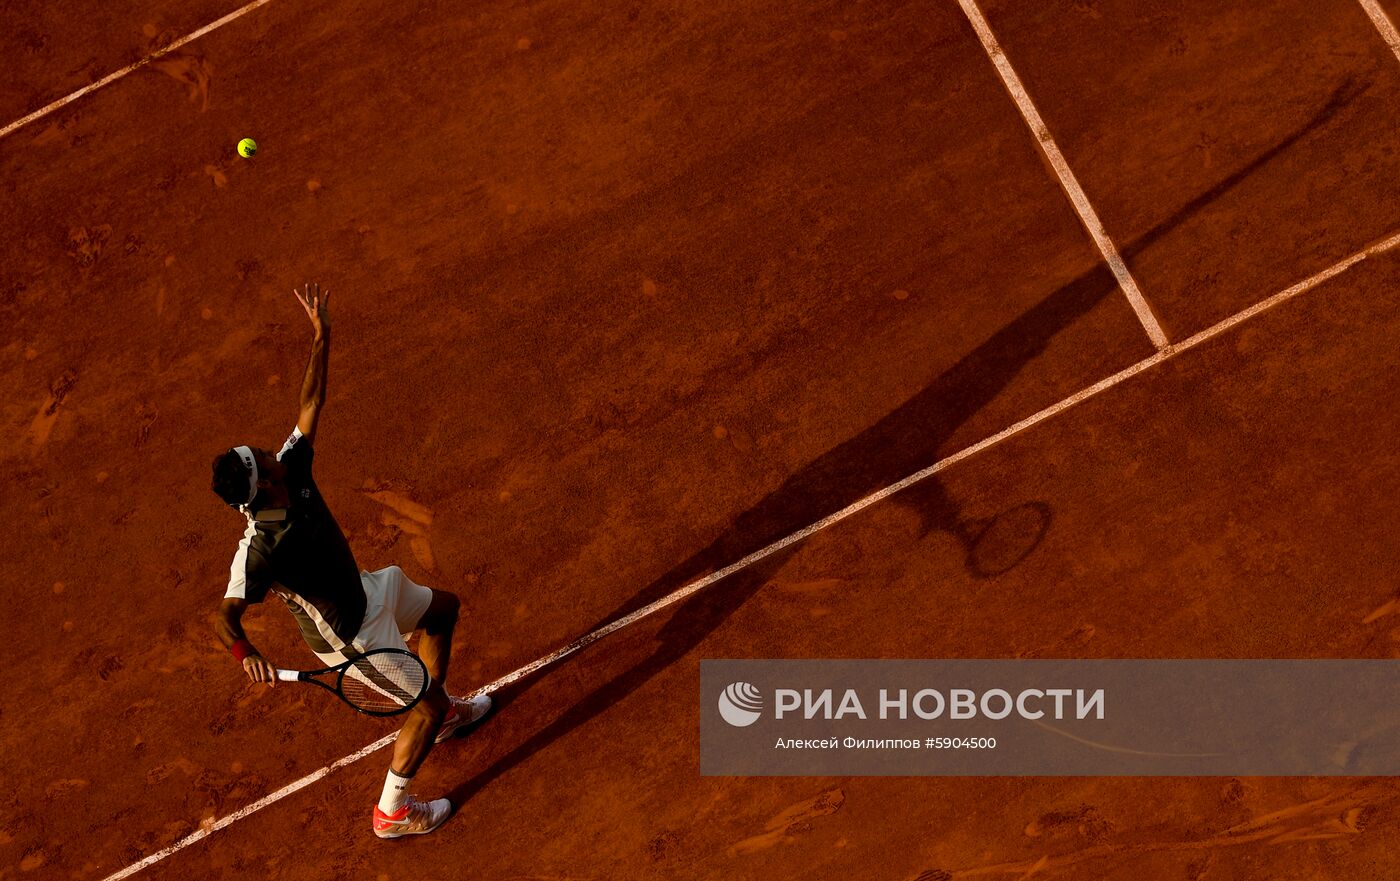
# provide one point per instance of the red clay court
(627, 294)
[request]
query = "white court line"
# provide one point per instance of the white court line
(671, 599)
(1068, 181)
(112, 77)
(1383, 24)
(209, 829)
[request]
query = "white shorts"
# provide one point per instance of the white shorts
(393, 607)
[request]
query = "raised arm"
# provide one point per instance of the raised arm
(313, 387)
(228, 624)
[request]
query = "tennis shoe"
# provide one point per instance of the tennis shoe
(416, 817)
(465, 711)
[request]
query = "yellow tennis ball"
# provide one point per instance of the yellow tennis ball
(247, 147)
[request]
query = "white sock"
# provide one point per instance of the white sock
(395, 792)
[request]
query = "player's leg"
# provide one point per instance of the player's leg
(433, 614)
(435, 648)
(399, 813)
(437, 626)
(394, 605)
(415, 739)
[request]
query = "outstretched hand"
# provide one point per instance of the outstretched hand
(315, 301)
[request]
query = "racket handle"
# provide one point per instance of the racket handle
(288, 675)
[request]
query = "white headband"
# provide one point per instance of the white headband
(246, 454)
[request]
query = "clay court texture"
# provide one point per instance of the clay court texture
(628, 294)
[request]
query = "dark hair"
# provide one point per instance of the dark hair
(230, 481)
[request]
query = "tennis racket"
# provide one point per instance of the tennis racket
(382, 682)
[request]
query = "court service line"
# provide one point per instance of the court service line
(113, 77)
(1068, 181)
(1161, 355)
(1383, 24)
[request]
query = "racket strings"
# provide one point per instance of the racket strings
(383, 683)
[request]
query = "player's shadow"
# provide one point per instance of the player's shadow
(906, 440)
(902, 442)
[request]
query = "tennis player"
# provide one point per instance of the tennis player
(293, 547)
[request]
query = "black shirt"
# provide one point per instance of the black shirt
(304, 559)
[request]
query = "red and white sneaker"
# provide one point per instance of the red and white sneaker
(465, 711)
(414, 818)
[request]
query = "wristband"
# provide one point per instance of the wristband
(242, 648)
